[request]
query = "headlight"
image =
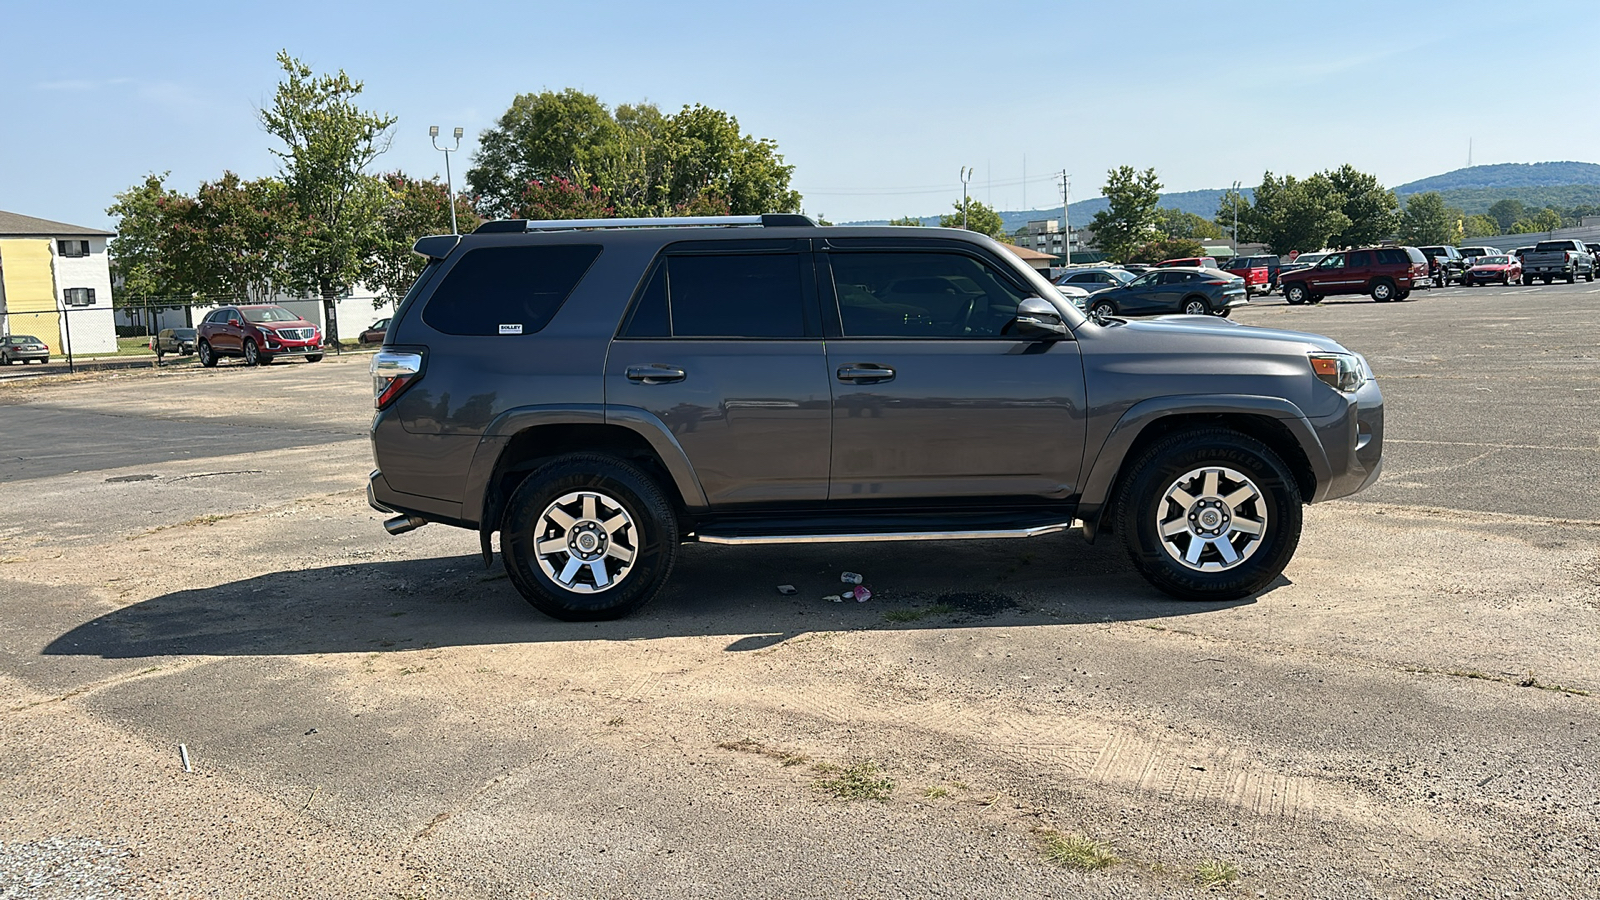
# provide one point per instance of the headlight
(1345, 372)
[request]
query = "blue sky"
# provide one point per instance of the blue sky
(877, 105)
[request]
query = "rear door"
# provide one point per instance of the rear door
(724, 347)
(1358, 266)
(932, 396)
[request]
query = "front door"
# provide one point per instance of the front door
(1328, 276)
(931, 398)
(724, 347)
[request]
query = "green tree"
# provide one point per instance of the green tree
(137, 252)
(910, 221)
(329, 142)
(228, 241)
(1295, 214)
(1175, 223)
(1235, 208)
(413, 208)
(561, 198)
(1427, 220)
(1507, 213)
(1373, 210)
(1130, 220)
(1480, 226)
(566, 134)
(980, 218)
(1544, 220)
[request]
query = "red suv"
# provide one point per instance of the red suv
(1387, 273)
(259, 333)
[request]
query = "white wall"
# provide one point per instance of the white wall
(93, 328)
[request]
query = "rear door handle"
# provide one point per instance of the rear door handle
(655, 374)
(868, 373)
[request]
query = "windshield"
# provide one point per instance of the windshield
(1310, 259)
(1492, 260)
(270, 314)
(183, 332)
(24, 339)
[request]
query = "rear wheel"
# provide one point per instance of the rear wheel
(1209, 514)
(1527, 280)
(1195, 307)
(589, 537)
(208, 357)
(1295, 294)
(1572, 277)
(1383, 291)
(1403, 294)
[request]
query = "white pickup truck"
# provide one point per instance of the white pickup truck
(1558, 259)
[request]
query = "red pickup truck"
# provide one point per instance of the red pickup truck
(1254, 270)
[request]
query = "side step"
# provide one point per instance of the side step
(714, 537)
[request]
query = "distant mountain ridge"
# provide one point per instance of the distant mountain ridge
(1507, 175)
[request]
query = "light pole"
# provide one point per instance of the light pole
(1235, 205)
(433, 135)
(966, 176)
(1066, 220)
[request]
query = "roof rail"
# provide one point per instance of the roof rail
(770, 220)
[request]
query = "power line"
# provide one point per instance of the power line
(916, 189)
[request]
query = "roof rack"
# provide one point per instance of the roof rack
(770, 220)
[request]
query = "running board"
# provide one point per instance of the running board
(983, 535)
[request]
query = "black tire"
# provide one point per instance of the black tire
(1402, 294)
(1224, 312)
(1548, 279)
(252, 355)
(1102, 310)
(208, 357)
(1142, 499)
(265, 359)
(1314, 299)
(1572, 277)
(314, 357)
(1589, 275)
(622, 485)
(4, 360)
(1383, 290)
(1194, 306)
(1527, 280)
(1295, 294)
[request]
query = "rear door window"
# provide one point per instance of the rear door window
(1360, 259)
(507, 290)
(745, 295)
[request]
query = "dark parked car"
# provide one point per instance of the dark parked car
(1195, 292)
(1445, 264)
(177, 341)
(375, 332)
(1387, 273)
(1094, 279)
(599, 394)
(23, 348)
(1485, 269)
(258, 334)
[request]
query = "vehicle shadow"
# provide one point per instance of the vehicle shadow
(452, 601)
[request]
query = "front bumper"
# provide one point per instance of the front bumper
(1353, 441)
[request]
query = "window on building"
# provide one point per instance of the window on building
(78, 296)
(72, 248)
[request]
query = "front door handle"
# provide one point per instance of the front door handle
(868, 373)
(655, 374)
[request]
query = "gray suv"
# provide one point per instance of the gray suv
(601, 391)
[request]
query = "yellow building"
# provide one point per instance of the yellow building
(55, 284)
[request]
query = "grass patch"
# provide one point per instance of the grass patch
(745, 745)
(614, 721)
(913, 615)
(1074, 851)
(858, 781)
(1215, 873)
(938, 792)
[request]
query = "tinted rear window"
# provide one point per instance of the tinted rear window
(507, 290)
(746, 295)
(1393, 256)
(1553, 245)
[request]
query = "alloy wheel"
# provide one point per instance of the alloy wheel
(586, 542)
(1211, 519)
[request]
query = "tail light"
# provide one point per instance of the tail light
(392, 372)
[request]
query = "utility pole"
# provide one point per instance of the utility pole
(1235, 205)
(1066, 222)
(966, 177)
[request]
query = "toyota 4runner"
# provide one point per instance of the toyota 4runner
(601, 391)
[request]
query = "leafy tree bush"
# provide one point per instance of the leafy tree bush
(1130, 219)
(980, 217)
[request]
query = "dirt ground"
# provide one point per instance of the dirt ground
(187, 558)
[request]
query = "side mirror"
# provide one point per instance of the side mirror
(1037, 318)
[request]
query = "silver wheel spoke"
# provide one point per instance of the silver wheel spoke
(1210, 488)
(598, 570)
(620, 552)
(1248, 526)
(589, 503)
(571, 570)
(1196, 545)
(1241, 495)
(1176, 526)
(1225, 547)
(559, 516)
(614, 524)
(1181, 497)
(554, 545)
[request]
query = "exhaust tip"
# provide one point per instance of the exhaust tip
(403, 524)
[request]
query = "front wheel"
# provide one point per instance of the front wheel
(1295, 294)
(1209, 514)
(1196, 308)
(588, 537)
(1102, 311)
(314, 357)
(252, 355)
(208, 357)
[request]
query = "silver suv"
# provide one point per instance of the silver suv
(601, 391)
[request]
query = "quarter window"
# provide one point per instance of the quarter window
(928, 295)
(507, 290)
